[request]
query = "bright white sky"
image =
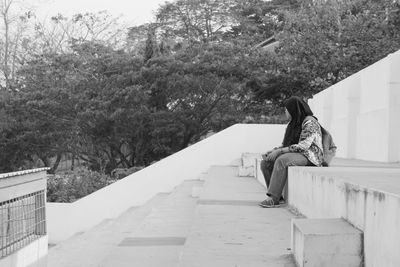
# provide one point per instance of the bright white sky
(133, 11)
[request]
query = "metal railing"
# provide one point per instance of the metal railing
(22, 213)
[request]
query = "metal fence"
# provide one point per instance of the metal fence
(22, 220)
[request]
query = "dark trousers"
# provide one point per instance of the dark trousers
(267, 167)
(276, 172)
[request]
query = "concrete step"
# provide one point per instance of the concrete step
(160, 237)
(230, 229)
(223, 183)
(88, 248)
(368, 198)
(326, 242)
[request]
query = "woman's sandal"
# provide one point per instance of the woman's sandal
(270, 203)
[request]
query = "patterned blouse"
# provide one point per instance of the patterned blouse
(310, 142)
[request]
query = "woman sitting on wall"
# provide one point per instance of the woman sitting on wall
(302, 146)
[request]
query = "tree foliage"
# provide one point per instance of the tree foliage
(73, 185)
(324, 42)
(197, 20)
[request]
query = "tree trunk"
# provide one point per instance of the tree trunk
(187, 137)
(56, 163)
(72, 162)
(6, 42)
(123, 158)
(45, 160)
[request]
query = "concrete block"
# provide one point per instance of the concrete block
(247, 171)
(326, 242)
(248, 159)
(248, 167)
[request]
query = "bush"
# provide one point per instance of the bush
(72, 185)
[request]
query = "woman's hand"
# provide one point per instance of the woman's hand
(264, 156)
(273, 155)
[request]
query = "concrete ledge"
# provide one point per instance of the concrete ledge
(368, 198)
(336, 162)
(17, 184)
(326, 242)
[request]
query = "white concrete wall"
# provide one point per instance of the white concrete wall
(363, 112)
(64, 220)
(32, 255)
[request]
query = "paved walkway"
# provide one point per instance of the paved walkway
(223, 227)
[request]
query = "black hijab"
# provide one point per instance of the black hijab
(298, 110)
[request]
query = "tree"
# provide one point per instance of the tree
(151, 45)
(72, 103)
(14, 18)
(189, 90)
(324, 42)
(56, 36)
(195, 20)
(258, 20)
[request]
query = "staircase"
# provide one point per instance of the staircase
(224, 226)
(352, 211)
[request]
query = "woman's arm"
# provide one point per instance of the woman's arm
(272, 155)
(284, 150)
(270, 151)
(308, 134)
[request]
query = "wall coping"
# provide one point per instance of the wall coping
(19, 173)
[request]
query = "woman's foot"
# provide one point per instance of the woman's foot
(270, 203)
